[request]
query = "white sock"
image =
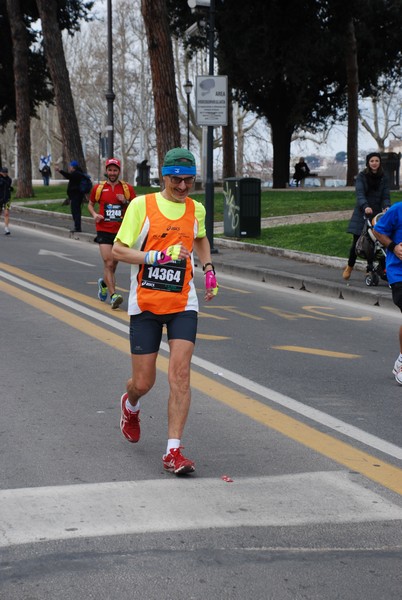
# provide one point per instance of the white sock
(399, 358)
(132, 408)
(172, 443)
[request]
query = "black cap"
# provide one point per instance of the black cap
(371, 155)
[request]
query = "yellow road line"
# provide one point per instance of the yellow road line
(212, 338)
(226, 287)
(103, 307)
(340, 452)
(234, 310)
(324, 312)
(63, 291)
(209, 316)
(316, 351)
(290, 316)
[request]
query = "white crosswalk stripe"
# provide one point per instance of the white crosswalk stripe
(168, 504)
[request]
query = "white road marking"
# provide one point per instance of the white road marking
(297, 407)
(88, 312)
(64, 512)
(64, 257)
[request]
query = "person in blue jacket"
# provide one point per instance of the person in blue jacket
(388, 230)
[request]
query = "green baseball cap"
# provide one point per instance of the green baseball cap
(179, 161)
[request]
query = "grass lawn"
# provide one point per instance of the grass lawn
(328, 238)
(274, 203)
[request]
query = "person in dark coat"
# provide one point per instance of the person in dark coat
(46, 173)
(301, 171)
(74, 193)
(372, 198)
(5, 197)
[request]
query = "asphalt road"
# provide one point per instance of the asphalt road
(294, 427)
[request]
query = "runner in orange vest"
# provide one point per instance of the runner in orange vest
(157, 237)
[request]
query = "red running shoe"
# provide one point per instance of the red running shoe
(176, 463)
(129, 422)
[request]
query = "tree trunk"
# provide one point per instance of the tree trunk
(56, 61)
(228, 167)
(281, 138)
(352, 71)
(23, 109)
(240, 142)
(160, 49)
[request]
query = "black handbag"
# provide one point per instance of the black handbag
(365, 245)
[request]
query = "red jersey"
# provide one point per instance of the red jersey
(110, 207)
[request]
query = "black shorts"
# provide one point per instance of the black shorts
(105, 237)
(396, 289)
(146, 329)
(5, 205)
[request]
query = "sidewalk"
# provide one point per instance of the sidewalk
(311, 273)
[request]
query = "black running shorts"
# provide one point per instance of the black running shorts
(146, 329)
(105, 237)
(396, 289)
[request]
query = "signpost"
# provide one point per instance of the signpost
(212, 100)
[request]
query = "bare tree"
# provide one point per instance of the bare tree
(55, 58)
(156, 22)
(385, 116)
(23, 109)
(134, 122)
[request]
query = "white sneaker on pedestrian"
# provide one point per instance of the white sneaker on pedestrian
(397, 371)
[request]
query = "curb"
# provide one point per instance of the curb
(321, 259)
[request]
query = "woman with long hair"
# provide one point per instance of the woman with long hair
(372, 198)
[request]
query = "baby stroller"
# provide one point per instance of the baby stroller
(369, 248)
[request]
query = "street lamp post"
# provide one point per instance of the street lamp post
(209, 183)
(209, 179)
(110, 96)
(188, 86)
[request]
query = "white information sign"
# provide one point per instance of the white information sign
(211, 93)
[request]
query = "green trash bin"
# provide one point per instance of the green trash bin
(391, 163)
(242, 209)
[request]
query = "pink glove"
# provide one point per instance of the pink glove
(171, 253)
(211, 285)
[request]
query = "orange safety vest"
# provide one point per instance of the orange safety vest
(165, 289)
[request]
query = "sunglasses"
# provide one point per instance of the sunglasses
(188, 181)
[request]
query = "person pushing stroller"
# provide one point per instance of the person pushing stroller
(370, 248)
(372, 198)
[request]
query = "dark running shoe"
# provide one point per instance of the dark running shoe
(115, 301)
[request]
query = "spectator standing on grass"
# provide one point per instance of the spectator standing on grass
(46, 173)
(5, 197)
(74, 193)
(372, 198)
